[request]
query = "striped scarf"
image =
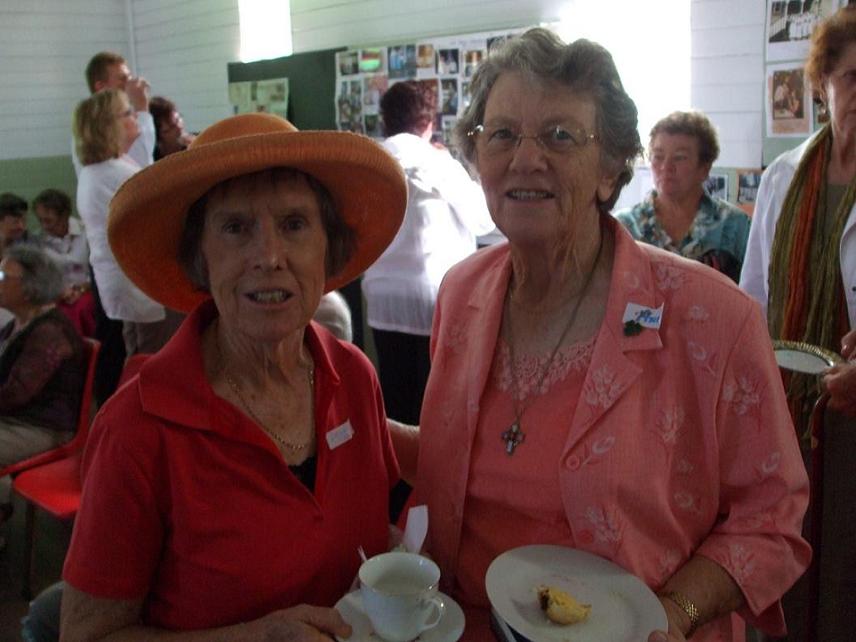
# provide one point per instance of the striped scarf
(806, 292)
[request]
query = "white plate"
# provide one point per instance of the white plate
(803, 357)
(450, 628)
(623, 608)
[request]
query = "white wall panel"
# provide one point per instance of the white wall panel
(739, 97)
(44, 46)
(322, 25)
(183, 47)
(727, 71)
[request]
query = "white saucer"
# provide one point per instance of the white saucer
(450, 628)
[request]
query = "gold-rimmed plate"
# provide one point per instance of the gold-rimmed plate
(804, 357)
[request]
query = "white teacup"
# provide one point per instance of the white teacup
(399, 592)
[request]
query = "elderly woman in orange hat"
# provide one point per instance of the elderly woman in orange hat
(228, 486)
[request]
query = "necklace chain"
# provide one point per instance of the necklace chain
(292, 447)
(515, 436)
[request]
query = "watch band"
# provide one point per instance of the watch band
(688, 607)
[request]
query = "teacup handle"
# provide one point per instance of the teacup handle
(438, 610)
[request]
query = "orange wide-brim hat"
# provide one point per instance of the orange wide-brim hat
(148, 212)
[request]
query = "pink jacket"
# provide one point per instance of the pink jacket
(681, 441)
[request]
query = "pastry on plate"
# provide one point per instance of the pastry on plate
(561, 607)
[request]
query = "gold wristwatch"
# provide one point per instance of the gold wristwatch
(687, 607)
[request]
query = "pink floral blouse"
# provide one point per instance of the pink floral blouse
(687, 425)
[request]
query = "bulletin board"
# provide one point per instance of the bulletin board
(789, 115)
(443, 63)
(311, 84)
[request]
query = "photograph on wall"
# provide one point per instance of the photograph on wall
(449, 93)
(348, 63)
(747, 184)
(425, 59)
(788, 101)
(433, 85)
(402, 61)
(269, 96)
(790, 24)
(373, 88)
(372, 126)
(448, 130)
(717, 186)
(373, 61)
(349, 104)
(437, 133)
(448, 61)
(466, 95)
(472, 59)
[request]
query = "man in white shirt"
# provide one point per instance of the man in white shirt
(108, 70)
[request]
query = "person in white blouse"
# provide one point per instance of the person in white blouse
(446, 210)
(105, 128)
(108, 70)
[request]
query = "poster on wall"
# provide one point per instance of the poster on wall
(446, 63)
(788, 101)
(260, 96)
(349, 105)
(717, 186)
(789, 26)
(748, 181)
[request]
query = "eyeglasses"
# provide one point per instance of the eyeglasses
(556, 139)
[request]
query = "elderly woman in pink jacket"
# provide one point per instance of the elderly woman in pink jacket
(590, 392)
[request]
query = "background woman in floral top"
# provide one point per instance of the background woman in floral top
(680, 215)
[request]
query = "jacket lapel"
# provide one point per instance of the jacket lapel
(486, 303)
(614, 367)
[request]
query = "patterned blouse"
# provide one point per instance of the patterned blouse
(42, 371)
(717, 236)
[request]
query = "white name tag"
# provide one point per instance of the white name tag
(646, 317)
(339, 435)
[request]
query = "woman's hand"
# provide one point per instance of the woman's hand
(840, 383)
(848, 345)
(302, 623)
(840, 380)
(678, 623)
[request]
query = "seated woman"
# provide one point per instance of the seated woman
(594, 392)
(680, 215)
(249, 458)
(64, 240)
(42, 361)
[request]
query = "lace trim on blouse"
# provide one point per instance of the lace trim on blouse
(528, 368)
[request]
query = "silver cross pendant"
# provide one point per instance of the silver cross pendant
(513, 437)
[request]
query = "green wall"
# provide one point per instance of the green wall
(26, 177)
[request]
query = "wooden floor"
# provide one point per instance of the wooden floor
(52, 539)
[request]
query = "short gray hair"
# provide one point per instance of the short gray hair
(585, 67)
(41, 281)
(341, 240)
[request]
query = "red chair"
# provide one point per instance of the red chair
(91, 348)
(52, 479)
